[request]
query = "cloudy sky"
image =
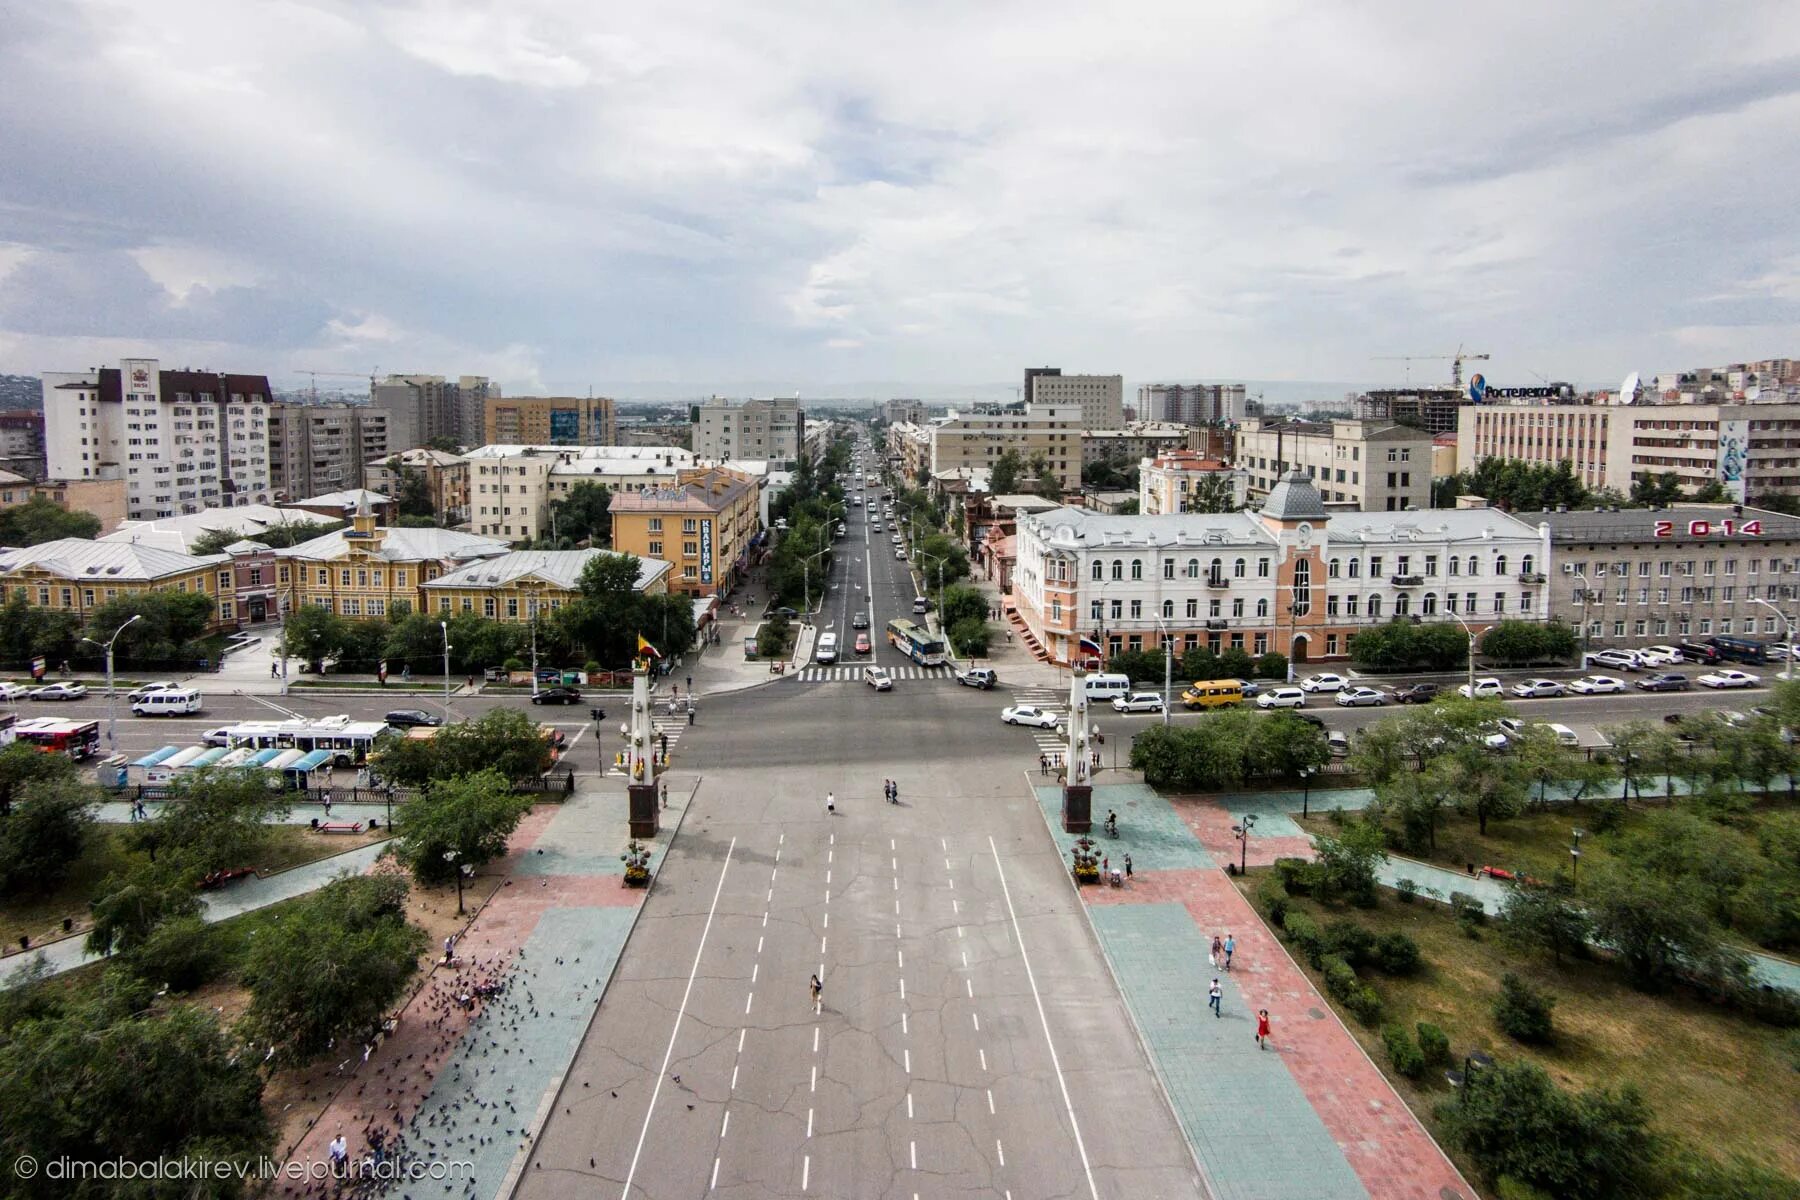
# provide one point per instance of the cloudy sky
(561, 194)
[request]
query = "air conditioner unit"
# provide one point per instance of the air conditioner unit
(1568, 568)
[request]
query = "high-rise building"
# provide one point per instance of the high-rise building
(22, 442)
(1101, 397)
(896, 411)
(765, 430)
(185, 440)
(979, 436)
(1191, 403)
(1374, 466)
(423, 407)
(316, 448)
(550, 421)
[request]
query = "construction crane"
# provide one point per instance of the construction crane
(1456, 362)
(314, 376)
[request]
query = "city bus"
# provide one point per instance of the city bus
(7, 721)
(349, 741)
(916, 642)
(53, 735)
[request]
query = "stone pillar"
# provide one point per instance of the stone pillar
(1078, 789)
(641, 771)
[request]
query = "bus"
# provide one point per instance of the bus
(7, 721)
(916, 642)
(53, 735)
(349, 741)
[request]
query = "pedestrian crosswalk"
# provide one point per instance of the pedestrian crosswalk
(854, 674)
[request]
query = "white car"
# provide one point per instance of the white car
(13, 691)
(1620, 660)
(1029, 714)
(1138, 702)
(1533, 689)
(216, 737)
(900, 552)
(878, 678)
(1596, 685)
(1659, 656)
(1727, 679)
(1323, 683)
(1282, 697)
(160, 686)
(59, 691)
(1484, 687)
(1353, 697)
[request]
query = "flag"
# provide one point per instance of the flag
(1088, 643)
(645, 647)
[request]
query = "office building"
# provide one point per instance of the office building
(704, 525)
(184, 440)
(317, 448)
(1191, 403)
(551, 421)
(1374, 466)
(1100, 397)
(978, 436)
(774, 430)
(1133, 441)
(1182, 481)
(1293, 577)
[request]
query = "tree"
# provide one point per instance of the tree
(771, 639)
(941, 547)
(168, 627)
(1641, 752)
(1214, 492)
(445, 444)
(1544, 917)
(276, 537)
(1284, 746)
(44, 833)
(215, 820)
(413, 493)
(22, 765)
(313, 634)
(1656, 491)
(27, 630)
(1658, 926)
(505, 740)
(1349, 861)
(127, 908)
(1522, 642)
(41, 519)
(1400, 645)
(331, 966)
(963, 603)
(117, 1078)
(1003, 476)
(969, 637)
(1710, 492)
(610, 614)
(471, 816)
(585, 514)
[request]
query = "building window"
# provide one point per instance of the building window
(1118, 568)
(1351, 604)
(1237, 569)
(1193, 569)
(1137, 610)
(1095, 610)
(1302, 587)
(1374, 606)
(1262, 608)
(1331, 643)
(1331, 569)
(1261, 643)
(1096, 574)
(1500, 564)
(1137, 568)
(1428, 604)
(1262, 568)
(1356, 568)
(1168, 609)
(1402, 605)
(1193, 607)
(1168, 568)
(1118, 610)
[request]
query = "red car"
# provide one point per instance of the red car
(862, 643)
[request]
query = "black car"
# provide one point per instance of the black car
(557, 695)
(1415, 693)
(860, 621)
(408, 718)
(783, 611)
(1315, 722)
(1668, 681)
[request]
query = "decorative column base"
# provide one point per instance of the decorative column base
(1078, 807)
(645, 809)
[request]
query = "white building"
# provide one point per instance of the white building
(757, 429)
(511, 487)
(1375, 466)
(185, 440)
(1101, 397)
(1191, 403)
(977, 437)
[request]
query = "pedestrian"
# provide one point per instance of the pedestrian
(1218, 951)
(830, 804)
(818, 994)
(1106, 866)
(690, 685)
(1262, 1029)
(690, 710)
(1230, 946)
(340, 1151)
(665, 793)
(274, 670)
(1128, 865)
(65, 666)
(450, 949)
(1212, 997)
(1043, 764)
(471, 683)
(895, 786)
(406, 673)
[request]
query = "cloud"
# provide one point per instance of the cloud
(927, 192)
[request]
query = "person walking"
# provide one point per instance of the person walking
(830, 804)
(1262, 1029)
(1128, 865)
(274, 670)
(818, 995)
(1212, 997)
(1230, 947)
(894, 790)
(665, 793)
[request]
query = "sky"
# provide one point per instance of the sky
(897, 198)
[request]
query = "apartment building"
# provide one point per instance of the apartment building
(551, 421)
(893, 411)
(1293, 577)
(774, 430)
(361, 571)
(1191, 403)
(103, 498)
(22, 442)
(423, 407)
(527, 583)
(1135, 440)
(1636, 577)
(977, 437)
(512, 487)
(1179, 480)
(704, 525)
(1100, 397)
(184, 440)
(1374, 466)
(446, 479)
(317, 448)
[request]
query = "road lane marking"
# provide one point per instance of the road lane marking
(896, 883)
(675, 1032)
(983, 1054)
(773, 871)
(809, 1115)
(895, 862)
(965, 958)
(901, 955)
(715, 1176)
(734, 1071)
(828, 877)
(741, 1034)
(903, 989)
(1000, 1150)
(754, 968)
(891, 844)
(970, 985)
(896, 930)
(770, 898)
(759, 943)
(1044, 1020)
(913, 1149)
(906, 1056)
(990, 1094)
(959, 931)
(747, 1001)
(976, 1017)
(903, 1029)
(956, 907)
(822, 942)
(765, 923)
(805, 1171)
(814, 1085)
(725, 1126)
(815, 1039)
(828, 895)
(909, 1115)
(827, 922)
(953, 885)
(943, 844)
(946, 864)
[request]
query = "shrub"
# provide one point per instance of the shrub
(1297, 875)
(1402, 1053)
(1407, 890)
(1272, 896)
(1340, 977)
(1304, 933)
(1522, 1011)
(182, 953)
(1434, 1044)
(592, 667)
(1365, 1005)
(1350, 942)
(514, 664)
(1396, 954)
(1471, 928)
(1465, 907)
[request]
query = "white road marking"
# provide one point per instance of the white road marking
(765, 923)
(990, 1093)
(715, 1175)
(891, 843)
(895, 862)
(759, 943)
(903, 989)
(896, 908)
(833, 839)
(773, 871)
(747, 1001)
(814, 1086)
(983, 1054)
(906, 1059)
(770, 898)
(970, 986)
(1000, 1150)
(903, 1029)
(956, 907)
(822, 942)
(959, 931)
(901, 955)
(828, 877)
(754, 968)
(913, 1149)
(734, 1071)
(741, 1034)
(826, 923)
(781, 839)
(946, 864)
(830, 855)
(828, 895)
(815, 1039)
(943, 844)
(976, 1017)
(725, 1127)
(909, 1115)
(1044, 1020)
(809, 1115)
(965, 958)
(675, 1032)
(805, 1171)
(896, 883)
(952, 885)
(896, 930)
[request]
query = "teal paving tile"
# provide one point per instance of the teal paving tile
(1248, 1120)
(581, 839)
(1150, 830)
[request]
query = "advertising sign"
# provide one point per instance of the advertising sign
(706, 555)
(1734, 450)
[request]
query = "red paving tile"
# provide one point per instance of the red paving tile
(1381, 1139)
(1212, 826)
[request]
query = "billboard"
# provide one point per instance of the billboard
(1734, 452)
(706, 554)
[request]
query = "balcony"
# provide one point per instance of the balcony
(1407, 580)
(1217, 581)
(1530, 577)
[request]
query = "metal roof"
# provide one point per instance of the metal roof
(559, 568)
(1639, 524)
(81, 559)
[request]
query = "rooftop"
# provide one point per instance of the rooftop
(179, 533)
(346, 500)
(402, 544)
(1639, 524)
(558, 568)
(79, 558)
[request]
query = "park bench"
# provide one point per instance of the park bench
(341, 827)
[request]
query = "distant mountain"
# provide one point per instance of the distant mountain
(21, 391)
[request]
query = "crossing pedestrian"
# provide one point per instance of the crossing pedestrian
(1212, 997)
(274, 670)
(818, 994)
(1262, 1029)
(1230, 946)
(830, 804)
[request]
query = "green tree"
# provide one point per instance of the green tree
(215, 820)
(1283, 746)
(41, 519)
(585, 514)
(1214, 492)
(27, 630)
(471, 816)
(1544, 917)
(771, 639)
(1642, 752)
(276, 537)
(413, 493)
(1658, 926)
(44, 833)
(1515, 643)
(1003, 477)
(23, 765)
(1710, 492)
(127, 908)
(331, 966)
(962, 604)
(505, 740)
(1348, 861)
(168, 627)
(1656, 491)
(605, 617)
(445, 444)
(313, 634)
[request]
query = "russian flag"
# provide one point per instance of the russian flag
(1088, 643)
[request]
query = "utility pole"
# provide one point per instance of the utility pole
(445, 626)
(112, 716)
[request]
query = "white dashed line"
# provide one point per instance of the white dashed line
(983, 1054)
(815, 1039)
(976, 1017)
(814, 1085)
(990, 1094)
(715, 1175)
(1000, 1150)
(759, 943)
(909, 1115)
(734, 1071)
(903, 989)
(809, 1116)
(913, 1148)
(969, 985)
(901, 955)
(741, 1034)
(822, 942)
(754, 968)
(906, 1059)
(805, 1171)
(725, 1126)
(747, 1001)
(903, 1029)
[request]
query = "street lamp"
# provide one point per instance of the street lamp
(1242, 833)
(1306, 774)
(1575, 858)
(112, 741)
(445, 626)
(1583, 644)
(450, 856)
(1787, 672)
(1168, 667)
(806, 580)
(1457, 617)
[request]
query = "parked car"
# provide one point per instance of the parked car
(878, 678)
(412, 718)
(1415, 693)
(1728, 679)
(1500, 734)
(1658, 656)
(1029, 714)
(1250, 688)
(558, 695)
(862, 645)
(1323, 683)
(59, 691)
(1533, 689)
(1486, 686)
(900, 553)
(138, 693)
(1699, 652)
(13, 691)
(1138, 702)
(1618, 660)
(978, 677)
(1665, 681)
(1356, 697)
(1338, 742)
(1282, 697)
(1596, 685)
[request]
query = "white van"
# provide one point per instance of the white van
(169, 702)
(827, 648)
(1101, 687)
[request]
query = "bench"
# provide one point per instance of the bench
(341, 827)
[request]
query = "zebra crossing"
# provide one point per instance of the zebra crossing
(854, 673)
(1051, 700)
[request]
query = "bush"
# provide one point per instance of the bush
(1522, 1011)
(1465, 907)
(1434, 1044)
(1396, 954)
(1365, 1005)
(1272, 897)
(1297, 875)
(1340, 977)
(514, 664)
(182, 953)
(1350, 942)
(1402, 1053)
(1304, 933)
(1407, 890)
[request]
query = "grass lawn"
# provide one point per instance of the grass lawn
(41, 916)
(1703, 1070)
